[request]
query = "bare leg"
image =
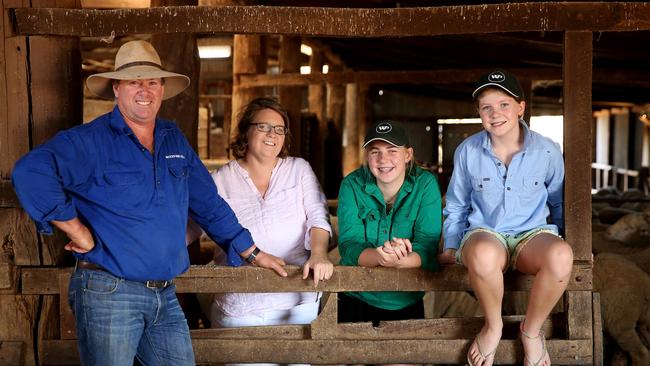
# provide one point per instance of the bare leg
(550, 259)
(486, 258)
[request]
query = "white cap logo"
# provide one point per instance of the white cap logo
(497, 77)
(384, 127)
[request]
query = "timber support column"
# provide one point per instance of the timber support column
(316, 99)
(178, 53)
(249, 58)
(351, 129)
(578, 122)
(291, 96)
(333, 150)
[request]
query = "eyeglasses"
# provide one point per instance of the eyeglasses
(266, 127)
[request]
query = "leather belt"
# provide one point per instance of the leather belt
(96, 267)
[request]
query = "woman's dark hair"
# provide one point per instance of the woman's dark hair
(239, 144)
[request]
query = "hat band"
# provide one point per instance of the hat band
(139, 63)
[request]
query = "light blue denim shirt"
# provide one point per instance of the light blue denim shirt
(484, 193)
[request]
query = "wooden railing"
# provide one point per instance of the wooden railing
(572, 333)
(610, 176)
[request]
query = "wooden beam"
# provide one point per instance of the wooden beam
(578, 136)
(417, 351)
(338, 22)
(392, 77)
(351, 129)
(201, 279)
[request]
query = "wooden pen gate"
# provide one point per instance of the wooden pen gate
(571, 334)
(37, 99)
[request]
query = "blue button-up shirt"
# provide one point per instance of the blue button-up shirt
(484, 193)
(134, 202)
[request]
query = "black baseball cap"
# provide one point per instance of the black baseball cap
(499, 79)
(388, 131)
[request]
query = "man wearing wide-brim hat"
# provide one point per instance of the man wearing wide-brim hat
(121, 188)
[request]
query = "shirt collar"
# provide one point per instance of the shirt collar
(118, 124)
(369, 182)
(528, 136)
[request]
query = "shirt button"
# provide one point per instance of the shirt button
(499, 164)
(480, 186)
(158, 182)
(508, 188)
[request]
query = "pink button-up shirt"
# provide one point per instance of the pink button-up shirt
(279, 222)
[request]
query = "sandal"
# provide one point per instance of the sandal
(484, 356)
(543, 339)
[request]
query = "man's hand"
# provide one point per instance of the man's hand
(448, 256)
(81, 239)
(266, 260)
(321, 266)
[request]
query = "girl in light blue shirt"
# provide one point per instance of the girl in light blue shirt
(506, 184)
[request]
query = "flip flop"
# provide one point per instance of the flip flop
(542, 338)
(484, 356)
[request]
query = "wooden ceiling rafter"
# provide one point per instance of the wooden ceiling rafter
(337, 22)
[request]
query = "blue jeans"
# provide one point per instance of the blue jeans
(118, 320)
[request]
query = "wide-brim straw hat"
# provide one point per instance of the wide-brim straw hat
(136, 60)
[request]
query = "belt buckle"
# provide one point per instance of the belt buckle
(157, 284)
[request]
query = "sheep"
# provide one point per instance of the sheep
(632, 229)
(625, 302)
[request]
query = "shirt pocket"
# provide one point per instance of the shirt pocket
(370, 218)
(485, 185)
(404, 225)
(179, 171)
(533, 184)
(123, 189)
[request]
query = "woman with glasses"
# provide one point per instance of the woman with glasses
(390, 215)
(277, 198)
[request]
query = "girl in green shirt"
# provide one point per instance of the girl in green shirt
(389, 215)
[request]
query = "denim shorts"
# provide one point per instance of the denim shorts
(513, 243)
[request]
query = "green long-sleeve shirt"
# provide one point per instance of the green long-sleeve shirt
(364, 223)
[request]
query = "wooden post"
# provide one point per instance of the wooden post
(316, 99)
(363, 120)
(249, 58)
(333, 156)
(178, 53)
(578, 121)
(291, 96)
(351, 129)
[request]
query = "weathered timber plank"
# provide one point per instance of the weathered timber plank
(214, 279)
(10, 352)
(578, 137)
(19, 236)
(55, 86)
(573, 352)
(18, 318)
(14, 140)
(265, 332)
(441, 328)
(598, 331)
(8, 195)
(8, 277)
(338, 22)
(579, 314)
(66, 318)
(325, 325)
(289, 58)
